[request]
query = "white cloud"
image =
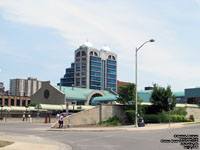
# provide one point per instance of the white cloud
(121, 25)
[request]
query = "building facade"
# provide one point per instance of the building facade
(24, 87)
(2, 88)
(9, 100)
(92, 69)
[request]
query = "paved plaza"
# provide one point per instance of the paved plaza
(40, 136)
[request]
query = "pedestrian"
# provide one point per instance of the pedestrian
(23, 117)
(61, 121)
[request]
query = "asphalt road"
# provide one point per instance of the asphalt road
(106, 140)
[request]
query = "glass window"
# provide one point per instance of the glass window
(83, 53)
(95, 69)
(95, 78)
(77, 74)
(112, 62)
(83, 73)
(0, 101)
(77, 59)
(18, 102)
(91, 53)
(111, 71)
(12, 102)
(111, 67)
(109, 57)
(97, 59)
(6, 102)
(95, 64)
(78, 54)
(95, 54)
(29, 101)
(84, 59)
(113, 57)
(23, 103)
(95, 73)
(111, 76)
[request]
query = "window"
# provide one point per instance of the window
(12, 102)
(23, 103)
(6, 102)
(77, 59)
(0, 101)
(111, 62)
(95, 78)
(78, 54)
(29, 101)
(83, 53)
(91, 53)
(95, 54)
(95, 64)
(18, 102)
(97, 59)
(109, 57)
(77, 74)
(80, 103)
(113, 57)
(95, 69)
(78, 67)
(83, 66)
(111, 71)
(95, 73)
(83, 73)
(112, 67)
(84, 59)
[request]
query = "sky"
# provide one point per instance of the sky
(38, 38)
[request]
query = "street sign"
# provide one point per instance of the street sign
(170, 101)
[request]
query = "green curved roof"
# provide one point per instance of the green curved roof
(80, 93)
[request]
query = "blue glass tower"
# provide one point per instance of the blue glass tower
(92, 68)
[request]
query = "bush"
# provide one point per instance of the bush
(191, 118)
(113, 121)
(163, 118)
(179, 111)
(130, 114)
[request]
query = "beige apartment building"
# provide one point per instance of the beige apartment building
(24, 87)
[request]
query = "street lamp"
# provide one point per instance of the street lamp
(136, 99)
(1, 112)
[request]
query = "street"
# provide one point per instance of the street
(106, 140)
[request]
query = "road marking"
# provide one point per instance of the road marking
(90, 139)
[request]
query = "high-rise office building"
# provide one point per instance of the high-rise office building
(92, 68)
(24, 87)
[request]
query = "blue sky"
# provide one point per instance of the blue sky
(38, 38)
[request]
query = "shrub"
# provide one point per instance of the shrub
(179, 111)
(163, 118)
(130, 114)
(113, 121)
(191, 118)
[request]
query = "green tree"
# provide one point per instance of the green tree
(159, 98)
(33, 104)
(126, 93)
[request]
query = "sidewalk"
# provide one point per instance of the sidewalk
(24, 142)
(124, 128)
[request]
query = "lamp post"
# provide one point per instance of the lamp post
(136, 99)
(1, 112)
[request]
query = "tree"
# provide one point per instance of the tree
(33, 104)
(126, 93)
(160, 97)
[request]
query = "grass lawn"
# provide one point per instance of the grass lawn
(192, 123)
(5, 143)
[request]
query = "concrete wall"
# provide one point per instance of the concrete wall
(195, 112)
(108, 111)
(94, 115)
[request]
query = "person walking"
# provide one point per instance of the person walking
(61, 121)
(23, 117)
